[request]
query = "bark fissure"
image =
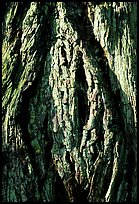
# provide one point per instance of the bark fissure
(69, 106)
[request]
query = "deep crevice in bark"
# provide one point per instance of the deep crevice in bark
(81, 92)
(60, 191)
(108, 102)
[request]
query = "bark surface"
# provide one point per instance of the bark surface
(69, 102)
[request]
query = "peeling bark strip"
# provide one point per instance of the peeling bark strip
(69, 102)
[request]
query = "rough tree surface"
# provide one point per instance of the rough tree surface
(69, 102)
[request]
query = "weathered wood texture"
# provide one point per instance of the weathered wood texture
(69, 102)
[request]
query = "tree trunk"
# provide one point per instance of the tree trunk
(69, 102)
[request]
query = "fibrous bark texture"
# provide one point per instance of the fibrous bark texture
(69, 102)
